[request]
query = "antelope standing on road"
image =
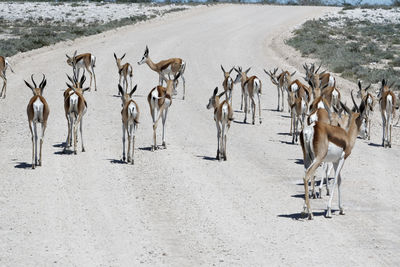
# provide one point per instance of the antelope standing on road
(130, 120)
(3, 68)
(75, 108)
(223, 115)
(251, 86)
(227, 84)
(387, 100)
(318, 79)
(84, 61)
(160, 99)
(369, 103)
(169, 66)
(124, 71)
(298, 113)
(322, 142)
(38, 112)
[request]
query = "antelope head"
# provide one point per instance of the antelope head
(272, 76)
(118, 60)
(241, 75)
(125, 97)
(37, 90)
(145, 56)
(226, 73)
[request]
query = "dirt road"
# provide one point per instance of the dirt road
(180, 207)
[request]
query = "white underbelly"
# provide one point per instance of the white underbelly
(38, 110)
(334, 153)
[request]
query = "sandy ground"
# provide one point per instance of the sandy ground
(180, 207)
(84, 11)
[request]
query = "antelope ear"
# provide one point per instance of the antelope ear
(236, 69)
(67, 56)
(222, 68)
(247, 70)
(123, 56)
(115, 56)
(367, 87)
(70, 86)
(230, 71)
(27, 84)
(133, 90)
(120, 89)
(383, 82)
(293, 73)
(85, 89)
(215, 91)
(177, 76)
(146, 51)
(359, 85)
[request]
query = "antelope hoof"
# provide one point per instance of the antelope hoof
(328, 213)
(183, 98)
(75, 152)
(253, 123)
(123, 158)
(129, 159)
(152, 148)
(83, 149)
(314, 195)
(40, 163)
(327, 192)
(244, 121)
(164, 145)
(310, 216)
(341, 212)
(33, 166)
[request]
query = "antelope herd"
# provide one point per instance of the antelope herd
(328, 127)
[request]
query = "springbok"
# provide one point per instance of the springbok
(84, 61)
(169, 66)
(278, 81)
(322, 142)
(160, 99)
(298, 113)
(250, 87)
(75, 108)
(387, 101)
(369, 103)
(38, 112)
(227, 84)
(130, 119)
(124, 71)
(318, 79)
(223, 115)
(4, 64)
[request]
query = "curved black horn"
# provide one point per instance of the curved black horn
(34, 84)
(354, 102)
(42, 82)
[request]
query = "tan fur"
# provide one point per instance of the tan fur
(323, 135)
(86, 58)
(163, 93)
(42, 118)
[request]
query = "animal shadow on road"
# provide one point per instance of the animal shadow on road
(240, 122)
(285, 116)
(287, 143)
(298, 161)
(286, 134)
(301, 216)
(62, 152)
(207, 158)
(23, 165)
(375, 145)
(116, 161)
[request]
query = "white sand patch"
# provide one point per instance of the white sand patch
(379, 16)
(70, 12)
